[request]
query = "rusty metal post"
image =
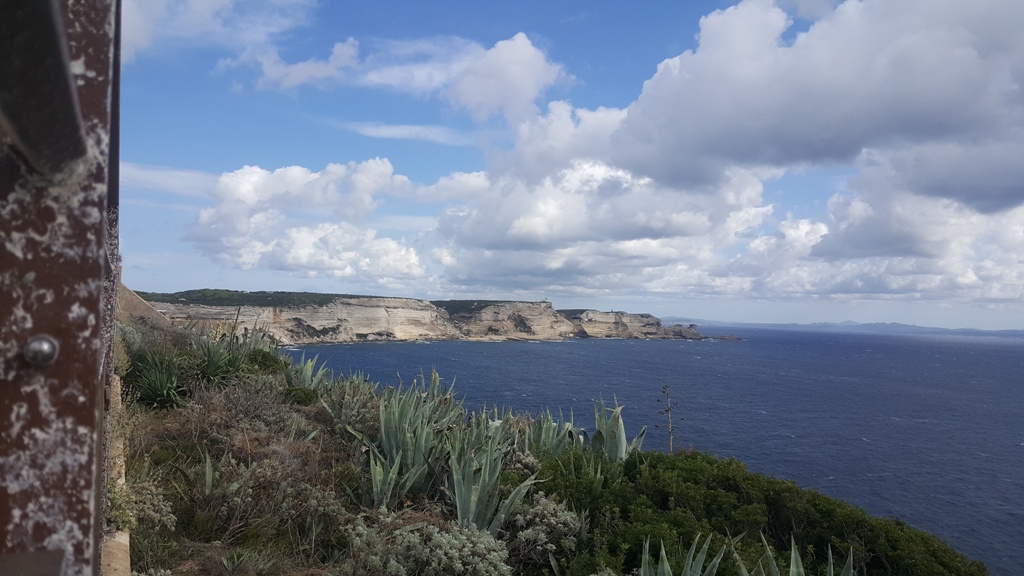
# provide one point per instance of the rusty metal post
(56, 73)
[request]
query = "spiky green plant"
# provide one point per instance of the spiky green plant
(156, 380)
(389, 487)
(693, 566)
(208, 497)
(306, 374)
(413, 427)
(218, 360)
(415, 424)
(609, 436)
(475, 489)
(796, 567)
(545, 434)
(589, 470)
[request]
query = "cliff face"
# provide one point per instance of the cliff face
(521, 320)
(343, 320)
(618, 324)
(594, 324)
(368, 319)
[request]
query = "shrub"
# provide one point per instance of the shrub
(299, 396)
(542, 532)
(267, 361)
(386, 544)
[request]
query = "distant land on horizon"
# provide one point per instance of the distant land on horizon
(850, 326)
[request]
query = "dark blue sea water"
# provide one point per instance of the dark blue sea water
(926, 428)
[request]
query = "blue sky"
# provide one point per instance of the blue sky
(789, 160)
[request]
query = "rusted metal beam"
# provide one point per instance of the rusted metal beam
(38, 102)
(53, 260)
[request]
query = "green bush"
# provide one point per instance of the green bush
(299, 396)
(675, 497)
(267, 361)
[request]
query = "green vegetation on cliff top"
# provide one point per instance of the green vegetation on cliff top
(460, 307)
(216, 297)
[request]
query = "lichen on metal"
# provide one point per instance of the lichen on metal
(52, 263)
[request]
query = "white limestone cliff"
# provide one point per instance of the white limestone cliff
(515, 320)
(371, 318)
(343, 320)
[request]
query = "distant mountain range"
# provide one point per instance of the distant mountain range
(864, 328)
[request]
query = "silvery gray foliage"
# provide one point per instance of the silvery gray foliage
(542, 530)
(386, 545)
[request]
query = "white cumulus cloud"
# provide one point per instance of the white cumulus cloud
(873, 74)
(314, 223)
(508, 78)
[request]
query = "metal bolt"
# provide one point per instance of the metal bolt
(41, 350)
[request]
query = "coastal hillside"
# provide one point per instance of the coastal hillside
(309, 318)
(239, 461)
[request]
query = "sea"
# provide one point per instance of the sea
(927, 428)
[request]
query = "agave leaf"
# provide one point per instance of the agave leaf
(597, 443)
(736, 556)
(664, 568)
(554, 565)
(772, 566)
(382, 481)
(513, 499)
(207, 474)
(638, 441)
(689, 556)
(645, 560)
(796, 566)
(847, 568)
(699, 560)
(713, 566)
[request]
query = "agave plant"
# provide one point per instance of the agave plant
(218, 360)
(156, 380)
(589, 470)
(610, 433)
(694, 565)
(413, 437)
(796, 567)
(545, 434)
(307, 375)
(390, 488)
(413, 427)
(474, 486)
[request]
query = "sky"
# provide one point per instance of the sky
(753, 161)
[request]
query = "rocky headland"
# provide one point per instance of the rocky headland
(304, 318)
